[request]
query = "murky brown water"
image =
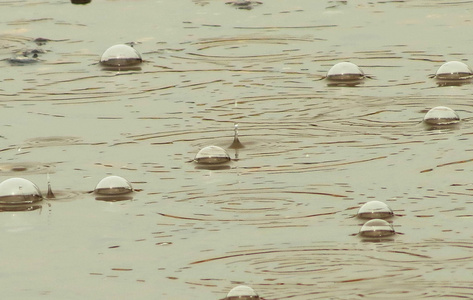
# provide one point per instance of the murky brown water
(281, 219)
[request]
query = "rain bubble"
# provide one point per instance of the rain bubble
(212, 155)
(441, 115)
(113, 185)
(374, 210)
(242, 292)
(377, 228)
(19, 191)
(453, 70)
(120, 56)
(345, 71)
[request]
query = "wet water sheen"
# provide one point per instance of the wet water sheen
(281, 216)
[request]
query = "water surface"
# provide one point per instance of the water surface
(281, 219)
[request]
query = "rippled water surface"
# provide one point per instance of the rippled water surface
(281, 217)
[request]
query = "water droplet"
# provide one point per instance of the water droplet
(113, 185)
(212, 155)
(242, 292)
(50, 194)
(121, 56)
(19, 191)
(453, 70)
(442, 116)
(345, 71)
(374, 210)
(377, 228)
(236, 144)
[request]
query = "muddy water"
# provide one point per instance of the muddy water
(281, 218)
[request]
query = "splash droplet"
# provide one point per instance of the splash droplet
(453, 70)
(345, 71)
(19, 191)
(121, 56)
(242, 292)
(113, 185)
(212, 155)
(374, 210)
(50, 193)
(377, 228)
(236, 144)
(441, 115)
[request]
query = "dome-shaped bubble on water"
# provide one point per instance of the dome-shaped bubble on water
(212, 155)
(374, 210)
(113, 185)
(121, 56)
(453, 70)
(242, 292)
(19, 191)
(345, 71)
(377, 228)
(441, 115)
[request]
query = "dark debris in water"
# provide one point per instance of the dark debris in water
(244, 4)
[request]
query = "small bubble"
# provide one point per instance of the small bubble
(441, 115)
(212, 155)
(242, 292)
(374, 210)
(376, 228)
(121, 56)
(345, 71)
(113, 185)
(453, 70)
(19, 191)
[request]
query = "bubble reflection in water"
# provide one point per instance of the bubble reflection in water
(377, 228)
(19, 191)
(120, 56)
(242, 292)
(212, 156)
(113, 185)
(345, 72)
(441, 116)
(453, 70)
(374, 210)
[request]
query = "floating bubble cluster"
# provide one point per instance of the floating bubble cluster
(377, 228)
(113, 185)
(345, 71)
(120, 56)
(374, 210)
(441, 116)
(454, 70)
(212, 155)
(242, 292)
(17, 191)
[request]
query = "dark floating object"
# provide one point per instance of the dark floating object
(16, 191)
(375, 210)
(244, 4)
(345, 71)
(377, 228)
(113, 185)
(81, 1)
(212, 155)
(454, 70)
(121, 56)
(441, 116)
(242, 292)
